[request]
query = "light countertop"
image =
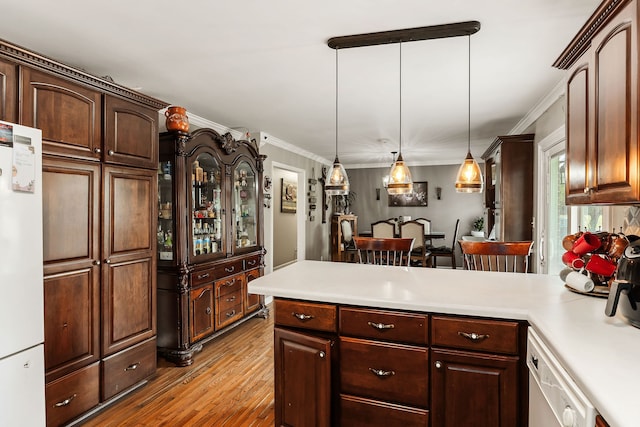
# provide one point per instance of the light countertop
(599, 352)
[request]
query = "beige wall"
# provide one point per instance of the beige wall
(284, 224)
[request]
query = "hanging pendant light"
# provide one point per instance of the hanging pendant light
(400, 181)
(338, 182)
(469, 175)
(385, 179)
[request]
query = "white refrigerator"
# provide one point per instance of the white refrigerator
(22, 392)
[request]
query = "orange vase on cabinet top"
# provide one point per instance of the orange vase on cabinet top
(177, 119)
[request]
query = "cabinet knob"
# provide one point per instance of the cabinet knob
(321, 355)
(110, 152)
(588, 190)
(96, 262)
(208, 310)
(107, 261)
(438, 364)
(97, 150)
(473, 336)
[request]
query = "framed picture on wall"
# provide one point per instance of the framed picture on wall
(289, 196)
(419, 197)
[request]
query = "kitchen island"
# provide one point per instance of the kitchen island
(599, 353)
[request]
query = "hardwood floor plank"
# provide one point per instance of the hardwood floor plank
(229, 384)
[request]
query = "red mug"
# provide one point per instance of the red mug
(586, 243)
(600, 266)
(572, 260)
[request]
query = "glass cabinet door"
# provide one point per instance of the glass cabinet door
(245, 203)
(206, 204)
(166, 214)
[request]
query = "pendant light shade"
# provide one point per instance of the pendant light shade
(470, 178)
(400, 181)
(338, 183)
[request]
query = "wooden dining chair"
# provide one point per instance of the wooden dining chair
(427, 228)
(349, 247)
(381, 251)
(415, 230)
(445, 251)
(384, 229)
(496, 256)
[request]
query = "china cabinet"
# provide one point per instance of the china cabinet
(209, 238)
(509, 187)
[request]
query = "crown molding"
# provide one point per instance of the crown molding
(266, 138)
(539, 108)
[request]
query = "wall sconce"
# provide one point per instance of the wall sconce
(438, 193)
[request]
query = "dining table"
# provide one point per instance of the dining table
(427, 236)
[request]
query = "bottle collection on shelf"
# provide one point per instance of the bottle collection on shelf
(165, 233)
(207, 222)
(245, 221)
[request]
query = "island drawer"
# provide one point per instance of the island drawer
(499, 336)
(374, 413)
(307, 315)
(395, 373)
(385, 325)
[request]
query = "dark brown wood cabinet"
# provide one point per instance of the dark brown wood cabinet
(394, 368)
(509, 187)
(600, 422)
(100, 145)
(8, 91)
(209, 238)
(305, 361)
(603, 149)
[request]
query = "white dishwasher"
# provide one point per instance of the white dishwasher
(554, 398)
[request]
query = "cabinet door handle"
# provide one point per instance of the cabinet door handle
(473, 336)
(208, 310)
(382, 373)
(438, 364)
(66, 401)
(230, 282)
(110, 152)
(96, 262)
(321, 355)
(381, 326)
(132, 367)
(302, 317)
(231, 313)
(204, 292)
(107, 261)
(97, 150)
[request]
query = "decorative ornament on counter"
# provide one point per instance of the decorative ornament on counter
(593, 257)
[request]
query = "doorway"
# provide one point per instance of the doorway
(288, 219)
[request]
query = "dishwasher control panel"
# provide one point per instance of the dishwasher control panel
(567, 402)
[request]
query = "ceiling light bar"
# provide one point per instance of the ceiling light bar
(406, 35)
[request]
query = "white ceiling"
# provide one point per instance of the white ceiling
(265, 66)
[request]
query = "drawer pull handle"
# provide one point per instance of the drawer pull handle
(132, 367)
(231, 313)
(473, 336)
(381, 373)
(203, 276)
(230, 269)
(229, 282)
(381, 326)
(301, 316)
(66, 401)
(252, 262)
(233, 298)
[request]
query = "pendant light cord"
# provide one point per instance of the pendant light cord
(400, 121)
(469, 101)
(336, 103)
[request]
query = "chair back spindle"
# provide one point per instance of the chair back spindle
(381, 251)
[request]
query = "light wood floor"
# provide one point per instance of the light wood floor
(229, 384)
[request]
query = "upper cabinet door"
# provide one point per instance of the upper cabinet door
(245, 206)
(131, 134)
(615, 158)
(8, 91)
(68, 114)
(577, 128)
